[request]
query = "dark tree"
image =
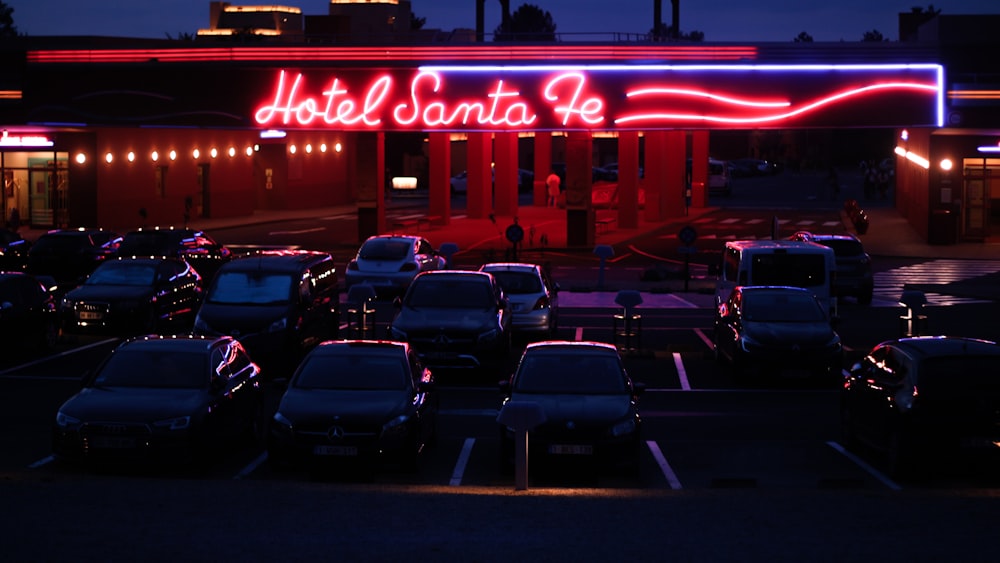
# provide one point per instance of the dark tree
(803, 37)
(662, 33)
(929, 10)
(873, 36)
(527, 23)
(415, 22)
(7, 27)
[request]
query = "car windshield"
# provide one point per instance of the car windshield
(123, 273)
(799, 270)
(570, 373)
(251, 288)
(451, 293)
(384, 249)
(781, 307)
(844, 247)
(359, 370)
(154, 368)
(515, 283)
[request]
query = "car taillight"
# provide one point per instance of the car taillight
(408, 267)
(542, 303)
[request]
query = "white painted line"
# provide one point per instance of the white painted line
(668, 472)
(43, 461)
(463, 459)
(892, 485)
(252, 466)
(708, 341)
(59, 355)
(681, 372)
(578, 336)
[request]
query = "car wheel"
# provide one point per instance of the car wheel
(848, 435)
(899, 455)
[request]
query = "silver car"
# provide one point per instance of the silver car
(533, 295)
(390, 262)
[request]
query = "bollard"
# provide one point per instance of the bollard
(912, 323)
(603, 251)
(522, 417)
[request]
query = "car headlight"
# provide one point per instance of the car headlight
(177, 423)
(396, 426)
(66, 303)
(66, 421)
(278, 325)
(623, 428)
(397, 334)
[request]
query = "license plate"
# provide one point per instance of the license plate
(336, 450)
(515, 307)
(112, 442)
(564, 449)
(89, 316)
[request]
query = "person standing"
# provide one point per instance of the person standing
(553, 182)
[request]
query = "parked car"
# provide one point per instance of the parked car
(128, 296)
(199, 249)
(533, 296)
(923, 399)
(598, 174)
(455, 318)
(854, 266)
(279, 303)
(746, 167)
(718, 180)
(174, 399)
(589, 401)
(390, 262)
(356, 401)
(13, 251)
(70, 255)
(28, 320)
(774, 328)
(605, 196)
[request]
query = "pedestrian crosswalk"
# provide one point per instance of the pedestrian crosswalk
(889, 284)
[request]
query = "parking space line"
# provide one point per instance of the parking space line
(892, 485)
(681, 372)
(668, 472)
(59, 355)
(578, 336)
(44, 461)
(463, 459)
(708, 342)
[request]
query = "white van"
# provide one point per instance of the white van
(777, 262)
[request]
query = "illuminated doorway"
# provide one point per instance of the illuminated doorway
(981, 199)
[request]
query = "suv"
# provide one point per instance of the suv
(278, 303)
(854, 265)
(455, 318)
(70, 255)
(197, 248)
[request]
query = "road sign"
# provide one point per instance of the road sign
(515, 233)
(688, 235)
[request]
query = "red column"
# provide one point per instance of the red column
(628, 179)
(439, 192)
(580, 227)
(656, 174)
(478, 188)
(543, 166)
(505, 170)
(699, 169)
(673, 200)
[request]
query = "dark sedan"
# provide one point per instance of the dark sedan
(193, 245)
(126, 296)
(13, 251)
(162, 398)
(27, 314)
(455, 318)
(589, 401)
(70, 255)
(774, 329)
(923, 400)
(356, 400)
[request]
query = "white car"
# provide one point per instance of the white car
(390, 262)
(533, 295)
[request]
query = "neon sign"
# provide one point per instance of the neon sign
(605, 97)
(7, 140)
